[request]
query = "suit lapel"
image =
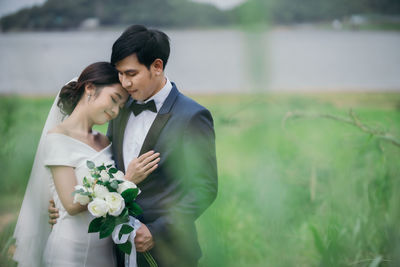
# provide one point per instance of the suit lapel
(154, 132)
(159, 122)
(121, 132)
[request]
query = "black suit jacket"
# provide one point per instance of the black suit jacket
(184, 184)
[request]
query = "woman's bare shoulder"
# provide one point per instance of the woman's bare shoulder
(58, 129)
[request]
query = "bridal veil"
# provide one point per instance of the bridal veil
(33, 229)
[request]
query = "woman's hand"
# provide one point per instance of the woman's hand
(139, 168)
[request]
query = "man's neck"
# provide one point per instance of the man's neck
(161, 86)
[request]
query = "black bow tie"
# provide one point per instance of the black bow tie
(138, 108)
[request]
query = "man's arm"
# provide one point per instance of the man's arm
(199, 176)
(53, 213)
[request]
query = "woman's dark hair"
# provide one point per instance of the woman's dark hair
(147, 44)
(99, 74)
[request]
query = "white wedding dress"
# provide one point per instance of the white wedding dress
(69, 243)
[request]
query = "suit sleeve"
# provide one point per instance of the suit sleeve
(200, 179)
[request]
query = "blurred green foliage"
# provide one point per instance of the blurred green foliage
(319, 193)
(314, 193)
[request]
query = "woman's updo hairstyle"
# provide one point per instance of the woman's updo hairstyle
(99, 74)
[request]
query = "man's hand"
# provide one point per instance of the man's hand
(143, 239)
(53, 213)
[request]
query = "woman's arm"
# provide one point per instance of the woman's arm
(65, 182)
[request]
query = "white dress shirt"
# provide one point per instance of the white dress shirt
(138, 126)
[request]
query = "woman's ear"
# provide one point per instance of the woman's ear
(90, 89)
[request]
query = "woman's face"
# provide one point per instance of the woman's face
(107, 104)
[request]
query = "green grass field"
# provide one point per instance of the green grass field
(311, 192)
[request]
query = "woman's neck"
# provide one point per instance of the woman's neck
(78, 122)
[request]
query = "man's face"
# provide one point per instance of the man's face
(136, 78)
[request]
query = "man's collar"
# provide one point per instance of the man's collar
(161, 95)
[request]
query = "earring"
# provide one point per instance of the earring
(88, 97)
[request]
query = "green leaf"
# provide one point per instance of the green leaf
(95, 225)
(100, 182)
(85, 182)
(124, 213)
(319, 244)
(114, 184)
(108, 166)
(112, 170)
(125, 247)
(96, 175)
(376, 261)
(109, 186)
(90, 164)
(79, 191)
(101, 168)
(111, 189)
(136, 208)
(125, 229)
(130, 194)
(122, 218)
(107, 227)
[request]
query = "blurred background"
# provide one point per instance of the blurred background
(306, 101)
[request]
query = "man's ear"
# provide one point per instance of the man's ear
(90, 89)
(157, 67)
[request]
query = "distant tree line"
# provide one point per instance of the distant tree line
(288, 11)
(62, 15)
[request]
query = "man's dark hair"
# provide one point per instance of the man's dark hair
(147, 44)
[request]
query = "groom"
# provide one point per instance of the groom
(158, 117)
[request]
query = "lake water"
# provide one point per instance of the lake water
(208, 61)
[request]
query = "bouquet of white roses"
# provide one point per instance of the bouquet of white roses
(110, 199)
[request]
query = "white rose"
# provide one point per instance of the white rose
(125, 185)
(104, 176)
(100, 191)
(115, 203)
(119, 175)
(79, 198)
(98, 207)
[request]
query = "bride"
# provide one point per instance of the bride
(67, 142)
